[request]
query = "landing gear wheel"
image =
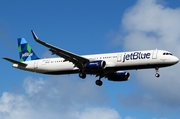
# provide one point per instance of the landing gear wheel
(99, 82)
(157, 70)
(157, 75)
(82, 75)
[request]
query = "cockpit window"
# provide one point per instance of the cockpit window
(167, 53)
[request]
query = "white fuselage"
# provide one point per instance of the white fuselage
(114, 62)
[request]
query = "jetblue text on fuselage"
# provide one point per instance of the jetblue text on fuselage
(135, 56)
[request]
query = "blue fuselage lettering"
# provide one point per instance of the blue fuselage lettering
(136, 55)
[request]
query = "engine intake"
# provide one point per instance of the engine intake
(98, 64)
(119, 76)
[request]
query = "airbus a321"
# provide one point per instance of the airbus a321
(112, 66)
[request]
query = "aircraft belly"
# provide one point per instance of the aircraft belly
(56, 67)
(140, 64)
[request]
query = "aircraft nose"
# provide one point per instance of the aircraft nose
(175, 60)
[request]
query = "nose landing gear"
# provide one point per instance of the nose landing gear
(157, 70)
(157, 75)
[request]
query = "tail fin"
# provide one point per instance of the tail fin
(25, 51)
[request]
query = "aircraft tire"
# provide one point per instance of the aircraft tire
(99, 82)
(82, 75)
(157, 75)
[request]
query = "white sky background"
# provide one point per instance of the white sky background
(149, 25)
(56, 98)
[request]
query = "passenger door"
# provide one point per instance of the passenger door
(119, 58)
(154, 55)
(35, 64)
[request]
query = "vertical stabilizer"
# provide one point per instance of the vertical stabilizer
(25, 51)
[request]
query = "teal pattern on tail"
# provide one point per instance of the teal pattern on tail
(25, 51)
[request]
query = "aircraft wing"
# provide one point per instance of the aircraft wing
(15, 62)
(68, 56)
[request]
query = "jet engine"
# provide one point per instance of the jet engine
(98, 64)
(119, 76)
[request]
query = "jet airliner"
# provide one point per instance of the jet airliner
(110, 65)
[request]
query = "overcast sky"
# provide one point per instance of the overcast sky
(89, 27)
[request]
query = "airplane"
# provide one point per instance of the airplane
(109, 65)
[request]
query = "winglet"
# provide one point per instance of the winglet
(34, 35)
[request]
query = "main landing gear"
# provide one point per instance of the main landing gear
(157, 70)
(82, 75)
(98, 82)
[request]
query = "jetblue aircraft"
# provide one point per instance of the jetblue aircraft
(109, 65)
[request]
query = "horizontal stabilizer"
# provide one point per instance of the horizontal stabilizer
(15, 62)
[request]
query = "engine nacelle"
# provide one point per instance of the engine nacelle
(119, 76)
(98, 64)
